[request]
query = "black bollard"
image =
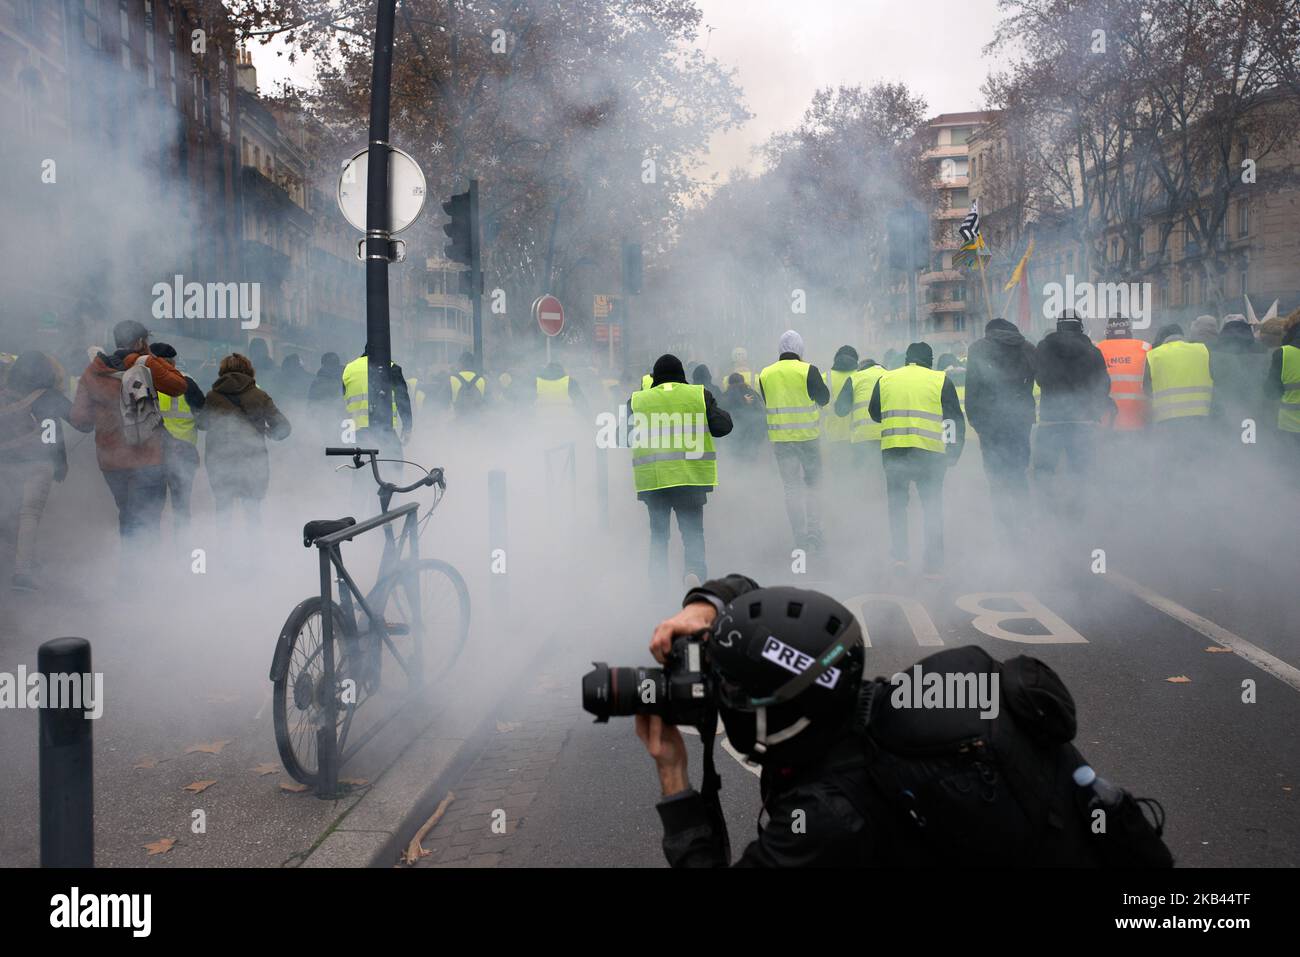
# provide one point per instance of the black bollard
(499, 589)
(67, 784)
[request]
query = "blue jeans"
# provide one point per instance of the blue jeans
(690, 523)
(139, 494)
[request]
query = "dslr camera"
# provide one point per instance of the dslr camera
(681, 692)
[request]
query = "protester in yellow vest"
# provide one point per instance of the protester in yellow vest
(674, 464)
(468, 378)
(837, 431)
(853, 402)
(922, 433)
(1284, 385)
(793, 392)
(557, 393)
(356, 394)
(180, 445)
(1178, 379)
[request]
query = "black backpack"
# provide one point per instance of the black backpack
(469, 399)
(960, 790)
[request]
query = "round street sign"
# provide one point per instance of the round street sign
(405, 190)
(550, 314)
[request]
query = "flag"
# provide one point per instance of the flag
(965, 257)
(1020, 268)
(970, 226)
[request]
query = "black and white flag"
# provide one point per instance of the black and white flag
(970, 226)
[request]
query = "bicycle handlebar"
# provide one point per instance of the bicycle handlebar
(387, 489)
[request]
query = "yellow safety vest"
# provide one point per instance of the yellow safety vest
(837, 428)
(178, 421)
(671, 444)
(911, 409)
(1288, 416)
(751, 379)
(792, 415)
(647, 381)
(553, 391)
(865, 428)
(463, 378)
(1181, 386)
(417, 397)
(356, 394)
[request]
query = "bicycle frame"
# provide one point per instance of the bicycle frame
(329, 548)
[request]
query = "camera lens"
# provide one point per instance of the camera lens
(608, 692)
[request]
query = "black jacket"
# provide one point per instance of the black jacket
(1000, 380)
(1071, 372)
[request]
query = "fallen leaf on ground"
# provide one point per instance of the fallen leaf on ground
(504, 726)
(211, 747)
(1179, 680)
(161, 846)
(266, 768)
(293, 786)
(198, 786)
(148, 761)
(1219, 650)
(415, 850)
(355, 782)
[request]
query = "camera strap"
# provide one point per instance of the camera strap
(712, 782)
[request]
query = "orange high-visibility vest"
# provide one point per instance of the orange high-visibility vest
(1126, 361)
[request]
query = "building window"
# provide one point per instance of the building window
(1243, 281)
(958, 198)
(1142, 244)
(960, 135)
(959, 322)
(1243, 219)
(1187, 291)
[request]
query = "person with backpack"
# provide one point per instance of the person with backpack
(356, 399)
(32, 453)
(468, 388)
(117, 396)
(238, 417)
(874, 773)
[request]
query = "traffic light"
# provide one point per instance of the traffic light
(460, 249)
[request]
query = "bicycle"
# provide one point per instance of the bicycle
(327, 665)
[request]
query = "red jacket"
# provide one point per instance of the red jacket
(98, 403)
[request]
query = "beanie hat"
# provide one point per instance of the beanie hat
(668, 368)
(920, 353)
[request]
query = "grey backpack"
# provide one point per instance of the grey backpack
(141, 416)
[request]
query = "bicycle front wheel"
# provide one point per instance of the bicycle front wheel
(426, 604)
(299, 702)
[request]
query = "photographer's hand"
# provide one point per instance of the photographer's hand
(697, 616)
(665, 744)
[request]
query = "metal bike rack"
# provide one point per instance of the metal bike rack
(328, 759)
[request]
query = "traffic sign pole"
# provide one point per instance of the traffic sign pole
(378, 236)
(476, 273)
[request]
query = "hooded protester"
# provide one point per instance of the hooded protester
(854, 401)
(915, 406)
(838, 430)
(675, 466)
(555, 390)
(701, 375)
(1071, 373)
(1000, 406)
(31, 404)
(238, 417)
(294, 383)
(792, 391)
(1238, 366)
(132, 470)
(1204, 329)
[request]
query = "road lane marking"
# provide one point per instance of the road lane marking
(1217, 633)
(989, 620)
(922, 625)
(753, 769)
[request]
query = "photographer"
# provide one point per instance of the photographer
(852, 775)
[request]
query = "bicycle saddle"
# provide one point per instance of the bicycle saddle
(322, 527)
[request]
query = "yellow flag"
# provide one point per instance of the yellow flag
(1020, 268)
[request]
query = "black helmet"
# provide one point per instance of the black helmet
(788, 663)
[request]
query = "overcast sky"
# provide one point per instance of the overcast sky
(785, 49)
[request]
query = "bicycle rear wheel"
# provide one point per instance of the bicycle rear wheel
(430, 600)
(300, 694)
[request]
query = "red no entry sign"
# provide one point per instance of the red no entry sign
(550, 314)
